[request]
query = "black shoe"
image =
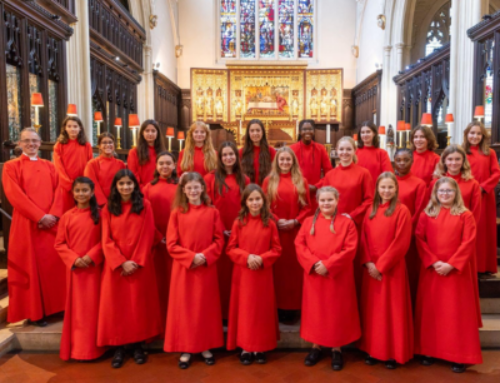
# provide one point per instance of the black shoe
(140, 356)
(210, 361)
(337, 361)
(371, 361)
(391, 364)
(40, 323)
(246, 358)
(458, 368)
(313, 357)
(118, 358)
(427, 361)
(260, 358)
(184, 365)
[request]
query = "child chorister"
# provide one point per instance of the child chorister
(369, 154)
(423, 142)
(199, 155)
(78, 243)
(253, 247)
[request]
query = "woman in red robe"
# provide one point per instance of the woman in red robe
(326, 248)
(161, 194)
(102, 170)
(71, 154)
(256, 155)
(485, 169)
(129, 312)
(142, 159)
(386, 315)
(194, 321)
(445, 320)
(423, 143)
(224, 187)
(78, 243)
(369, 154)
(288, 193)
(254, 247)
(199, 155)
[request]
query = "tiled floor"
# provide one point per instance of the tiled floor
(282, 367)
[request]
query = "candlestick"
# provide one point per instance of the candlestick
(297, 129)
(134, 139)
(328, 128)
(118, 138)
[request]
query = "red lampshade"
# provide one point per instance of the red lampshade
(426, 119)
(181, 136)
(355, 137)
(71, 110)
(118, 121)
(479, 112)
(401, 125)
(381, 130)
(407, 126)
(449, 118)
(98, 116)
(36, 99)
(170, 132)
(133, 121)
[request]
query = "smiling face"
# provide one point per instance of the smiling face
(82, 194)
(327, 203)
(73, 129)
(367, 136)
(307, 133)
(125, 187)
(454, 162)
(446, 194)
(150, 134)
(30, 143)
(228, 157)
(403, 162)
(199, 136)
(165, 166)
(419, 141)
(255, 133)
(285, 162)
(193, 190)
(107, 146)
(254, 203)
(345, 152)
(386, 189)
(475, 136)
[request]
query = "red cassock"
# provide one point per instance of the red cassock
(256, 163)
(229, 205)
(70, 160)
(101, 171)
(37, 276)
(198, 165)
(161, 196)
(486, 171)
(375, 160)
(445, 319)
(288, 274)
(386, 315)
(129, 311)
(194, 321)
(424, 165)
(329, 305)
(144, 173)
(78, 236)
(253, 321)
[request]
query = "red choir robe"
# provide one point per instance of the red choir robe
(329, 305)
(445, 317)
(78, 236)
(101, 171)
(194, 320)
(37, 276)
(253, 321)
(198, 165)
(229, 205)
(256, 163)
(486, 171)
(375, 160)
(143, 173)
(288, 274)
(70, 160)
(129, 311)
(386, 314)
(161, 196)
(424, 165)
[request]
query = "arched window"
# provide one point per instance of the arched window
(438, 32)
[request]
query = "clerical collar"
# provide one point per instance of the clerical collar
(31, 158)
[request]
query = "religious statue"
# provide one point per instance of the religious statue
(200, 103)
(390, 136)
(313, 104)
(209, 104)
(280, 102)
(323, 105)
(295, 103)
(333, 103)
(238, 105)
(219, 104)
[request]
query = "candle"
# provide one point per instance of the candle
(297, 129)
(328, 133)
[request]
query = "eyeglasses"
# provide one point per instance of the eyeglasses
(28, 141)
(445, 191)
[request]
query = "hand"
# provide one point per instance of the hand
(164, 241)
(286, 224)
(129, 268)
(80, 263)
(443, 268)
(252, 262)
(373, 271)
(198, 260)
(87, 260)
(347, 215)
(227, 233)
(321, 269)
(312, 188)
(48, 221)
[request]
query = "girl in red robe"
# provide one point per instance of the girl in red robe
(195, 240)
(423, 143)
(256, 154)
(161, 193)
(288, 193)
(78, 243)
(445, 320)
(386, 315)
(225, 187)
(326, 248)
(254, 247)
(142, 159)
(71, 154)
(199, 154)
(369, 154)
(102, 170)
(485, 169)
(129, 312)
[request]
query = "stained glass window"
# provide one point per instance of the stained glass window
(439, 29)
(228, 28)
(306, 28)
(14, 101)
(488, 82)
(286, 28)
(247, 28)
(266, 28)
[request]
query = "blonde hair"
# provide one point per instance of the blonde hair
(208, 149)
(484, 146)
(377, 199)
(297, 178)
(441, 168)
(434, 206)
(350, 140)
(335, 192)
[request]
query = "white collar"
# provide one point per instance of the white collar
(31, 158)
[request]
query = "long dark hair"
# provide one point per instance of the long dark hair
(247, 159)
(64, 136)
(265, 211)
(115, 199)
(94, 207)
(221, 173)
(143, 147)
(181, 200)
(373, 128)
(173, 177)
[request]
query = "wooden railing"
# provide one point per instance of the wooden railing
(366, 99)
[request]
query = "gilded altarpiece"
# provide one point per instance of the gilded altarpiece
(209, 92)
(324, 95)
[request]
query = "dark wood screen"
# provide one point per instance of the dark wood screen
(167, 104)
(63, 8)
(366, 100)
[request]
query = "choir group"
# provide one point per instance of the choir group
(166, 248)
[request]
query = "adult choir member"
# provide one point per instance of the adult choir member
(199, 155)
(256, 155)
(369, 154)
(71, 154)
(36, 273)
(129, 310)
(142, 159)
(445, 320)
(326, 248)
(423, 143)
(102, 170)
(194, 321)
(386, 315)
(78, 243)
(224, 187)
(288, 193)
(485, 169)
(254, 247)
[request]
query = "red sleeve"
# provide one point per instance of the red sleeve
(305, 211)
(67, 255)
(111, 251)
(385, 162)
(367, 189)
(337, 262)
(90, 153)
(365, 256)
(158, 234)
(424, 251)
(233, 250)
(274, 252)
(96, 254)
(325, 160)
(210, 182)
(142, 253)
(180, 254)
(465, 251)
(304, 255)
(489, 184)
(420, 203)
(133, 164)
(476, 201)
(272, 151)
(57, 208)
(179, 161)
(214, 251)
(64, 180)
(265, 184)
(90, 172)
(324, 181)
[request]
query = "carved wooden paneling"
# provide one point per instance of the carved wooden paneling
(63, 8)
(168, 103)
(366, 99)
(347, 111)
(185, 110)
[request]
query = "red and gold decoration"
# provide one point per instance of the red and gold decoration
(118, 125)
(170, 135)
(72, 111)
(98, 119)
(37, 103)
(133, 124)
